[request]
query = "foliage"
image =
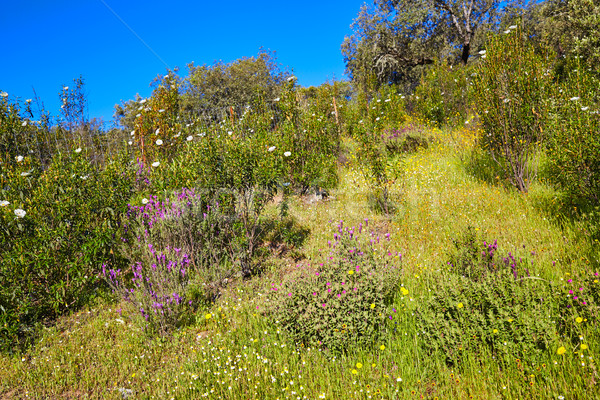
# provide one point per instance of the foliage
(511, 92)
(569, 27)
(381, 118)
(50, 251)
(393, 40)
(240, 82)
(488, 303)
(341, 302)
(444, 96)
(574, 146)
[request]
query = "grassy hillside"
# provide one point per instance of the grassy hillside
(235, 349)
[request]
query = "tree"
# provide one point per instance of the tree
(394, 37)
(570, 27)
(237, 83)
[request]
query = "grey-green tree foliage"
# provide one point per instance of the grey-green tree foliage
(392, 37)
(237, 83)
(570, 27)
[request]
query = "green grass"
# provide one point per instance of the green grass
(239, 353)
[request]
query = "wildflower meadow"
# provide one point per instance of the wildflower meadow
(338, 242)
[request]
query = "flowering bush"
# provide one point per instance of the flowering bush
(158, 290)
(486, 301)
(511, 92)
(342, 301)
(573, 146)
(51, 248)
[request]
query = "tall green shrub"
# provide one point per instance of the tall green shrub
(574, 143)
(512, 88)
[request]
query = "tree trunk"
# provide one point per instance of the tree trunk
(465, 52)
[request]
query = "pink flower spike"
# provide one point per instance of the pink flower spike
(323, 304)
(581, 288)
(570, 292)
(574, 297)
(570, 280)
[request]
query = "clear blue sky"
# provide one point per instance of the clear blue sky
(46, 44)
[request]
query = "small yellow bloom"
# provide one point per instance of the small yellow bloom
(354, 371)
(404, 291)
(373, 305)
(373, 365)
(579, 320)
(382, 347)
(510, 320)
(350, 272)
(584, 346)
(495, 330)
(208, 316)
(358, 365)
(561, 350)
(459, 305)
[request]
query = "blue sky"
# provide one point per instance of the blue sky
(46, 44)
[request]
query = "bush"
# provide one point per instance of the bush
(339, 303)
(488, 303)
(574, 145)
(51, 254)
(444, 95)
(512, 88)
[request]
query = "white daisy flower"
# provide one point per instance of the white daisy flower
(28, 101)
(157, 131)
(19, 158)
(78, 150)
(574, 98)
(142, 101)
(159, 142)
(138, 115)
(277, 99)
(512, 27)
(65, 87)
(4, 203)
(155, 164)
(145, 201)
(482, 52)
(130, 142)
(3, 94)
(24, 123)
(287, 154)
(20, 213)
(272, 148)
(190, 138)
(162, 110)
(584, 108)
(25, 174)
(133, 132)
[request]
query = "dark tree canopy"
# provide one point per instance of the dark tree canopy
(393, 37)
